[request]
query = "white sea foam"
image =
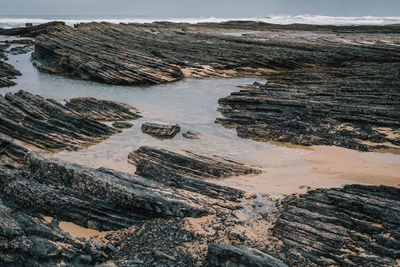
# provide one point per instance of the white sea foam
(6, 22)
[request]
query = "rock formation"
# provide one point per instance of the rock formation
(7, 74)
(122, 125)
(152, 161)
(161, 129)
(355, 226)
(357, 108)
(27, 240)
(31, 31)
(163, 53)
(101, 198)
(46, 124)
(185, 169)
(102, 110)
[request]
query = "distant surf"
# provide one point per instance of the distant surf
(17, 21)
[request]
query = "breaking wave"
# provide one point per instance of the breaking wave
(8, 22)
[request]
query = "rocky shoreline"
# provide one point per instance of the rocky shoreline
(319, 91)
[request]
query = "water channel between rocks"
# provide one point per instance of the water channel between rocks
(193, 104)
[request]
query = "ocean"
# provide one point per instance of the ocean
(18, 21)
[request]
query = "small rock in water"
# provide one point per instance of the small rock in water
(161, 129)
(191, 135)
(122, 125)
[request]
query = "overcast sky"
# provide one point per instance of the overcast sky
(203, 8)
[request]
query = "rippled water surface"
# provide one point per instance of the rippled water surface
(191, 103)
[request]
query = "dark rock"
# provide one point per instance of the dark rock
(102, 110)
(191, 135)
(102, 199)
(185, 169)
(182, 163)
(46, 124)
(31, 31)
(122, 125)
(161, 129)
(227, 255)
(27, 240)
(353, 106)
(7, 74)
(354, 226)
(104, 52)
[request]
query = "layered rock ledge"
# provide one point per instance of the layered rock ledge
(354, 106)
(355, 226)
(47, 124)
(32, 30)
(161, 52)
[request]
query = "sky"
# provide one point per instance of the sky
(201, 8)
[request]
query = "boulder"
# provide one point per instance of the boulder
(161, 129)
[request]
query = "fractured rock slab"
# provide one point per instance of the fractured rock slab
(101, 198)
(358, 225)
(47, 124)
(31, 31)
(327, 108)
(28, 240)
(186, 169)
(102, 110)
(129, 54)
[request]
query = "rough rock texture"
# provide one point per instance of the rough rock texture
(183, 163)
(102, 110)
(122, 125)
(185, 169)
(15, 47)
(31, 31)
(27, 240)
(101, 198)
(11, 155)
(161, 52)
(191, 135)
(161, 129)
(46, 124)
(227, 255)
(358, 225)
(348, 107)
(7, 74)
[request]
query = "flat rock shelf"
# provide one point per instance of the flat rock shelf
(169, 52)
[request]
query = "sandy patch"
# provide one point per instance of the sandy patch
(348, 164)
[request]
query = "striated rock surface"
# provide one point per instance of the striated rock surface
(122, 125)
(31, 31)
(102, 110)
(228, 255)
(358, 225)
(161, 52)
(161, 129)
(27, 240)
(101, 198)
(7, 74)
(185, 169)
(46, 124)
(150, 160)
(354, 107)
